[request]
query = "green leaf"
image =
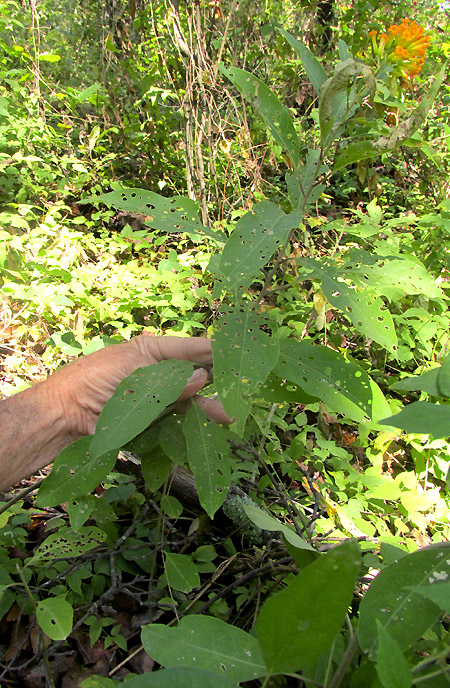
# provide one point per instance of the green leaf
(277, 391)
(345, 74)
(364, 309)
(423, 418)
(397, 135)
(168, 215)
(298, 624)
(444, 377)
(426, 382)
(392, 601)
(137, 401)
(243, 357)
(55, 617)
(207, 643)
(276, 116)
(208, 453)
(255, 238)
(438, 592)
(49, 57)
(182, 677)
(342, 385)
(155, 467)
(392, 668)
(75, 473)
(181, 572)
(171, 506)
(267, 522)
(313, 68)
(67, 543)
(79, 510)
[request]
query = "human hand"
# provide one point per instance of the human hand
(84, 386)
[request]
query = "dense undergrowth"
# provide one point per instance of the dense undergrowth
(210, 171)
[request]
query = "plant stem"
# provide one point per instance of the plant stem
(345, 663)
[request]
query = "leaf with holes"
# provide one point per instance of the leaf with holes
(208, 452)
(392, 600)
(393, 275)
(342, 385)
(169, 215)
(75, 473)
(308, 614)
(255, 238)
(55, 617)
(181, 572)
(67, 543)
(206, 643)
(243, 357)
(276, 116)
(137, 402)
(365, 310)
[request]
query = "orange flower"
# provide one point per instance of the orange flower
(405, 46)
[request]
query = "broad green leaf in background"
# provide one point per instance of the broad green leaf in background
(181, 572)
(276, 116)
(426, 382)
(207, 643)
(391, 599)
(155, 467)
(255, 238)
(443, 380)
(55, 617)
(297, 625)
(422, 417)
(138, 401)
(208, 453)
(243, 357)
(438, 592)
(267, 522)
(313, 68)
(75, 473)
(170, 215)
(66, 543)
(342, 385)
(392, 668)
(182, 677)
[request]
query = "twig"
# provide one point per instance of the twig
(345, 662)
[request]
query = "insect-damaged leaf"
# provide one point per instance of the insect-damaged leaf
(169, 215)
(55, 617)
(207, 643)
(75, 473)
(208, 452)
(255, 238)
(243, 356)
(341, 384)
(137, 402)
(67, 543)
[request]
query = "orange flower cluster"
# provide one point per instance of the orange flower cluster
(405, 46)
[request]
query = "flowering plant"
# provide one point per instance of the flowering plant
(404, 46)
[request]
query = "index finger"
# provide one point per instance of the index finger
(195, 349)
